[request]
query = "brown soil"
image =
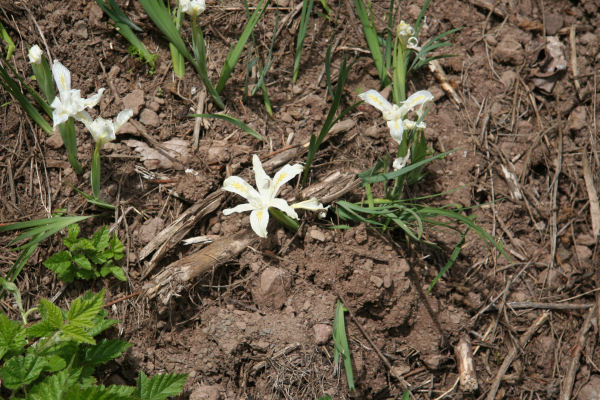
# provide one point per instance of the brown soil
(249, 329)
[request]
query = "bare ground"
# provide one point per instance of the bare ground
(252, 328)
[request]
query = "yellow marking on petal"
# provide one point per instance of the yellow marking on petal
(63, 81)
(239, 187)
(376, 100)
(281, 178)
(259, 214)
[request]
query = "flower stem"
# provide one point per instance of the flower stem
(284, 219)
(95, 175)
(67, 133)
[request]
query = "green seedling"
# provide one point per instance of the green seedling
(57, 357)
(176, 57)
(340, 343)
(126, 28)
(10, 45)
(87, 258)
(305, 15)
(232, 120)
(331, 119)
(35, 232)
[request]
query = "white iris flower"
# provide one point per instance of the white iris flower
(35, 54)
(260, 200)
(192, 7)
(396, 116)
(69, 103)
(104, 130)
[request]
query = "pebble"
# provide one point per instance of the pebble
(317, 234)
(149, 117)
(274, 283)
(377, 281)
(591, 390)
(509, 51)
(322, 333)
(206, 392)
(134, 100)
(584, 253)
(55, 141)
(577, 119)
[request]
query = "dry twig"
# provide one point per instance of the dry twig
(512, 354)
(567, 387)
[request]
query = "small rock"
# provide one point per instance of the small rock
(149, 117)
(591, 390)
(317, 234)
(509, 51)
(154, 106)
(94, 14)
(296, 89)
(127, 128)
(508, 77)
(287, 118)
(134, 100)
(586, 239)
(150, 229)
(577, 119)
(387, 281)
(377, 281)
(360, 235)
(322, 333)
(553, 23)
(55, 141)
(206, 392)
(583, 253)
(372, 132)
(432, 361)
(80, 29)
(273, 286)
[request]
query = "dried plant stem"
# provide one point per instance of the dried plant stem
(512, 354)
(567, 387)
(466, 370)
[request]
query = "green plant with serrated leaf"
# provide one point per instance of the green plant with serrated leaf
(55, 357)
(88, 258)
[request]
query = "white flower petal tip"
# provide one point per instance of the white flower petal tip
(311, 204)
(192, 7)
(374, 98)
(35, 54)
(260, 200)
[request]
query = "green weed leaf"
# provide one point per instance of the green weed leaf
(83, 310)
(19, 371)
(159, 387)
(12, 336)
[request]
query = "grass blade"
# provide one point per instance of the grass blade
(340, 341)
(305, 15)
(236, 51)
(232, 120)
(69, 137)
(10, 45)
(450, 262)
(372, 39)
